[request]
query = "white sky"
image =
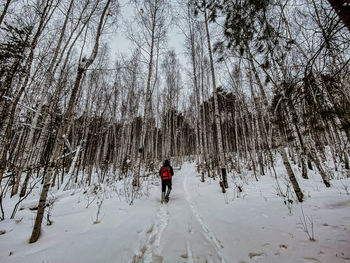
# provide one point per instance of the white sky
(120, 44)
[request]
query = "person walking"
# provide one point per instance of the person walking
(165, 173)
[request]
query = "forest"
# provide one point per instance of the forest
(256, 80)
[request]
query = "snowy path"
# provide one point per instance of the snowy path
(208, 233)
(149, 248)
(178, 232)
(187, 237)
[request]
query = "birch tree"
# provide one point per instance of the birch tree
(82, 67)
(222, 161)
(48, 82)
(4, 11)
(45, 15)
(151, 18)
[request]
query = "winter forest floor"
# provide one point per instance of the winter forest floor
(199, 224)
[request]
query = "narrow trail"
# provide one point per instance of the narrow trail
(178, 232)
(149, 250)
(209, 234)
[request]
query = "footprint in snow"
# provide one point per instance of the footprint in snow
(152, 259)
(283, 246)
(256, 255)
(342, 204)
(189, 228)
(266, 244)
(310, 259)
(150, 229)
(151, 242)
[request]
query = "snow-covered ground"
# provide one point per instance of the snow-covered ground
(199, 224)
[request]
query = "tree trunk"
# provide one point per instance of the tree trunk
(46, 185)
(147, 110)
(222, 161)
(42, 203)
(4, 11)
(290, 173)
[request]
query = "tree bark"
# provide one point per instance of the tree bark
(222, 162)
(147, 110)
(4, 11)
(291, 176)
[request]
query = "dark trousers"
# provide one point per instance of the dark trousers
(165, 183)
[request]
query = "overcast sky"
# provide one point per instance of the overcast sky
(120, 44)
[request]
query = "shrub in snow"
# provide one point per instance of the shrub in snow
(91, 194)
(288, 198)
(308, 225)
(51, 201)
(99, 208)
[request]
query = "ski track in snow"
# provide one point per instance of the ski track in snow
(207, 232)
(148, 251)
(189, 253)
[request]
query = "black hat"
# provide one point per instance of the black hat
(166, 163)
